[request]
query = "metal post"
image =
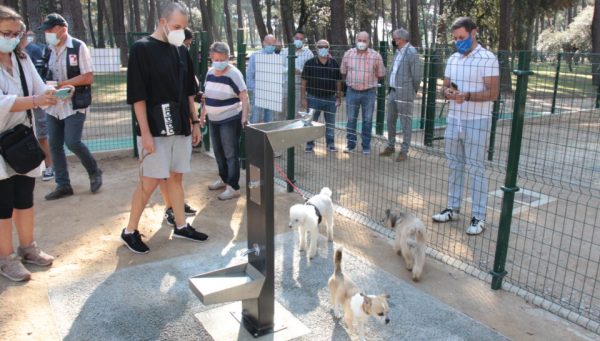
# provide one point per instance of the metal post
(558, 62)
(495, 116)
(203, 69)
(510, 182)
(130, 42)
(431, 99)
(291, 109)
(424, 90)
(241, 65)
(383, 49)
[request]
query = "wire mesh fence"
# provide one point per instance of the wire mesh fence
(554, 250)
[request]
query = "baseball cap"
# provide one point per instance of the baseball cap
(51, 20)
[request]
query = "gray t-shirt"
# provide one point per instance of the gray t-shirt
(222, 94)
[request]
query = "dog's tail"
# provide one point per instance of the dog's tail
(326, 192)
(337, 262)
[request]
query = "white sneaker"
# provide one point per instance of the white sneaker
(476, 226)
(218, 184)
(229, 193)
(444, 216)
(48, 174)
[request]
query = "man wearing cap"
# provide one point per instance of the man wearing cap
(69, 65)
(404, 80)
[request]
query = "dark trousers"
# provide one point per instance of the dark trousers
(226, 146)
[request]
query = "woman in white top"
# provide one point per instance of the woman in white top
(16, 198)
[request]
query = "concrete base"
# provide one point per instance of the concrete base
(224, 323)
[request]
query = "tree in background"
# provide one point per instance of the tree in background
(228, 25)
(596, 43)
(338, 25)
(258, 19)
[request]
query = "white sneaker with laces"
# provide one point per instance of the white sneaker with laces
(444, 216)
(218, 184)
(476, 226)
(48, 174)
(229, 193)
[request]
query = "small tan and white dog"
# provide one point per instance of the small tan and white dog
(411, 240)
(356, 305)
(307, 217)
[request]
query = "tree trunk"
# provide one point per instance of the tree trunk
(35, 18)
(90, 23)
(207, 23)
(137, 16)
(100, 23)
(504, 36)
(240, 18)
(269, 4)
(287, 19)
(151, 18)
(415, 36)
(399, 17)
(338, 25)
(596, 43)
(375, 5)
(129, 27)
(303, 16)
(258, 19)
(73, 14)
(251, 29)
(442, 37)
(118, 10)
(228, 30)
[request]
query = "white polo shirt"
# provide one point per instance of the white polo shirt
(467, 72)
(58, 66)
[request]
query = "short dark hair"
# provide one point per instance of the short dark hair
(464, 22)
(301, 32)
(188, 33)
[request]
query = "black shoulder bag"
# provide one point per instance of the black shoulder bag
(18, 146)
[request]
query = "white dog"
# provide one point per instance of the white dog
(411, 240)
(306, 217)
(356, 305)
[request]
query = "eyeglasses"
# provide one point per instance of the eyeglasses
(9, 35)
(322, 47)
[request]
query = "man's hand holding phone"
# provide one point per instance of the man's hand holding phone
(64, 93)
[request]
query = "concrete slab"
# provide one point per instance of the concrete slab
(153, 302)
(223, 323)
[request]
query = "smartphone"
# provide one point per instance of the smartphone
(62, 93)
(454, 86)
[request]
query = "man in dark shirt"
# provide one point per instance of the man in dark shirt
(161, 88)
(322, 90)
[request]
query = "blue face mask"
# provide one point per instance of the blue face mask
(298, 43)
(269, 49)
(8, 45)
(220, 65)
(323, 52)
(463, 46)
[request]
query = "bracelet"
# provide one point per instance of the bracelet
(195, 121)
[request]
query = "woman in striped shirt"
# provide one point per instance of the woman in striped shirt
(226, 104)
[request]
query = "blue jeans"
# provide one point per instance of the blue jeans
(68, 132)
(355, 100)
(465, 142)
(327, 106)
(256, 112)
(226, 146)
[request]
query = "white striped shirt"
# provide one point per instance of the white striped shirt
(222, 94)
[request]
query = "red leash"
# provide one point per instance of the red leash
(282, 173)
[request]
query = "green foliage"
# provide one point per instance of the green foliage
(577, 36)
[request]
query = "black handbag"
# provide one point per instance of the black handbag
(18, 146)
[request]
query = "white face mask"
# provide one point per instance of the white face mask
(8, 45)
(30, 39)
(361, 45)
(175, 37)
(51, 38)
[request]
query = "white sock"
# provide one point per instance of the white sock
(180, 227)
(127, 232)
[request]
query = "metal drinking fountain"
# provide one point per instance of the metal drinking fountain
(253, 282)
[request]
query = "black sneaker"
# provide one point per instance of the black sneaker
(134, 242)
(190, 233)
(170, 217)
(60, 192)
(189, 211)
(96, 181)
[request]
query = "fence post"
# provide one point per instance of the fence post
(510, 182)
(383, 49)
(241, 65)
(291, 109)
(202, 75)
(133, 119)
(558, 62)
(424, 90)
(431, 99)
(495, 116)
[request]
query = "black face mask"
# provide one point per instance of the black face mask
(277, 50)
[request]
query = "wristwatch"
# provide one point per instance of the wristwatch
(195, 121)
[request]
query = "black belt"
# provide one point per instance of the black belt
(369, 89)
(316, 211)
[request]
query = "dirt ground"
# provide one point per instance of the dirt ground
(82, 231)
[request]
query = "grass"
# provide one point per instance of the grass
(110, 89)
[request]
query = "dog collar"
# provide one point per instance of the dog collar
(316, 211)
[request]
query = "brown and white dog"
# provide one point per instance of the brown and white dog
(411, 240)
(356, 305)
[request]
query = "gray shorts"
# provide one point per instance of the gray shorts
(172, 154)
(41, 123)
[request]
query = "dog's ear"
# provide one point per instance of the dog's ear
(367, 304)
